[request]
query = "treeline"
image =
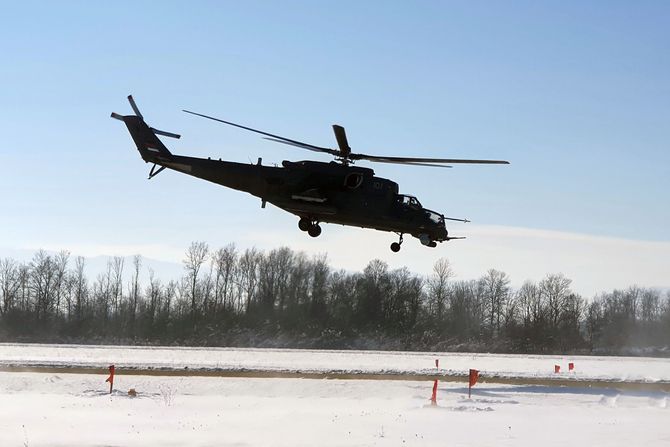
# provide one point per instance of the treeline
(285, 298)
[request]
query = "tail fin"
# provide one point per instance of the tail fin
(150, 147)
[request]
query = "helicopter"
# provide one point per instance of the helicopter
(316, 192)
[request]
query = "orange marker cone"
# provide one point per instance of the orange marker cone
(557, 369)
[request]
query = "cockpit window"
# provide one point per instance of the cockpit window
(410, 201)
(435, 217)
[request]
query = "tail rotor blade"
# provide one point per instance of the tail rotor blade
(134, 106)
(165, 134)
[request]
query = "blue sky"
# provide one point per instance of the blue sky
(575, 94)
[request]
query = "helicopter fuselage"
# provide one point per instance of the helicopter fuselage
(321, 192)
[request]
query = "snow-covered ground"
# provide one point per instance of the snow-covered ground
(45, 409)
(643, 369)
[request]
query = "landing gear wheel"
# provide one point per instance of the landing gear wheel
(395, 247)
(314, 230)
(304, 224)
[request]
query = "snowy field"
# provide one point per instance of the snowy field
(625, 369)
(45, 408)
(40, 409)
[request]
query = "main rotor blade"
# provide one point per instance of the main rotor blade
(303, 146)
(412, 163)
(342, 142)
(272, 136)
(383, 159)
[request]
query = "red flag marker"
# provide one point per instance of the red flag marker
(557, 369)
(433, 398)
(437, 363)
(472, 380)
(110, 379)
(571, 366)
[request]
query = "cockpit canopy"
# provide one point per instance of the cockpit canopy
(435, 217)
(409, 201)
(413, 203)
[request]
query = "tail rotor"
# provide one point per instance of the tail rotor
(150, 147)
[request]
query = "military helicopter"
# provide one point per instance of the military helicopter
(317, 192)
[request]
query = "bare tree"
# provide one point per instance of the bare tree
(9, 284)
(466, 309)
(319, 284)
(650, 305)
(341, 301)
(632, 297)
(273, 272)
(225, 260)
(495, 285)
(170, 294)
(438, 287)
(403, 301)
(60, 270)
(594, 321)
(117, 282)
(135, 291)
(80, 287)
(196, 255)
(555, 289)
(297, 291)
(531, 306)
(42, 281)
(248, 275)
(373, 292)
(24, 286)
(153, 294)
